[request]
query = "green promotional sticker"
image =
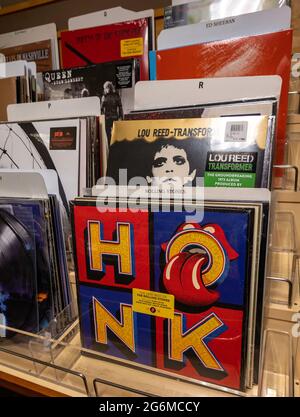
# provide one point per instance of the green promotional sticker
(229, 179)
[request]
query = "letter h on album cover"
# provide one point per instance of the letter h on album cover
(202, 267)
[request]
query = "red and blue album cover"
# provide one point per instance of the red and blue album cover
(158, 289)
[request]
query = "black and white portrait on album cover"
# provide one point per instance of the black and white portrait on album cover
(225, 152)
(162, 162)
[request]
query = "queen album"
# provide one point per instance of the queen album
(159, 290)
(226, 152)
(113, 82)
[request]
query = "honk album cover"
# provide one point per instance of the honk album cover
(166, 291)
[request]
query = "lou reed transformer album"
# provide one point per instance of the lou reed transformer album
(165, 292)
(226, 152)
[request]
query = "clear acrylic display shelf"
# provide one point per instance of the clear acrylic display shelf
(62, 366)
(283, 261)
(282, 299)
(56, 361)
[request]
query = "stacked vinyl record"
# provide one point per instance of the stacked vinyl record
(17, 266)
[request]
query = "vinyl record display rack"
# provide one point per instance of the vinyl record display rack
(55, 364)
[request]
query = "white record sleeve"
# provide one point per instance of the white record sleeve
(21, 147)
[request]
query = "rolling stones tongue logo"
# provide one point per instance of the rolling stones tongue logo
(197, 258)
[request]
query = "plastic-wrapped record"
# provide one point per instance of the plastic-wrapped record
(18, 306)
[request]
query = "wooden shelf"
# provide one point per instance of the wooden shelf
(29, 386)
(24, 5)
